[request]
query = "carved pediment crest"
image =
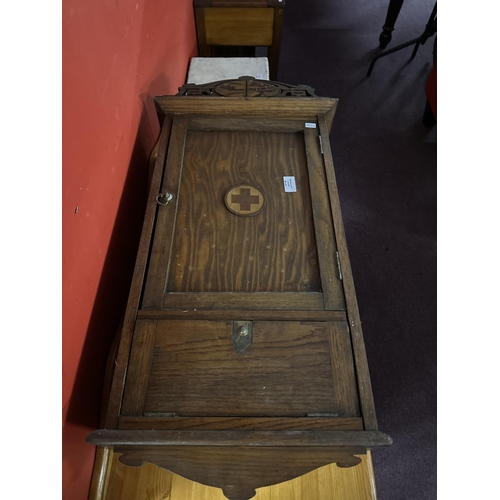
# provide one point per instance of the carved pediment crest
(246, 86)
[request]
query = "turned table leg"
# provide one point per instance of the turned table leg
(390, 21)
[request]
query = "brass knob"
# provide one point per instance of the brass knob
(163, 199)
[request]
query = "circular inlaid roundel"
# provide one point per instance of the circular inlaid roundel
(244, 200)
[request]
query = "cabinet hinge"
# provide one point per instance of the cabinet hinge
(321, 145)
(338, 265)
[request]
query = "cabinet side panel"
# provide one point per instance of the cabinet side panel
(343, 369)
(141, 358)
(159, 263)
(358, 344)
(112, 409)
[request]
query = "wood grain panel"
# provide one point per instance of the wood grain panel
(165, 224)
(203, 49)
(141, 357)
(217, 251)
(239, 26)
(197, 372)
(119, 365)
(325, 483)
(245, 123)
(274, 50)
(262, 440)
(245, 423)
(234, 301)
(332, 288)
(304, 108)
(343, 369)
(250, 314)
(358, 343)
(239, 471)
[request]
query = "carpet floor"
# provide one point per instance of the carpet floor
(385, 161)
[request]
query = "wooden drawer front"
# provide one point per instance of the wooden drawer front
(291, 369)
(239, 26)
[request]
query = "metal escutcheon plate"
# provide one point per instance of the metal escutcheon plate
(242, 336)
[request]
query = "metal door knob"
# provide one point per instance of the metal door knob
(164, 198)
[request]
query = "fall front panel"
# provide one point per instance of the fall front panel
(194, 368)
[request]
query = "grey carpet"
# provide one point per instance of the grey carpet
(385, 162)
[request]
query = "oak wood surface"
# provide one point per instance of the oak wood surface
(203, 48)
(244, 123)
(343, 369)
(246, 86)
(119, 365)
(238, 471)
(109, 373)
(154, 439)
(141, 358)
(298, 314)
(274, 49)
(304, 108)
(358, 345)
(239, 26)
(254, 23)
(216, 251)
(196, 370)
(165, 225)
(330, 279)
(325, 483)
(312, 301)
(244, 423)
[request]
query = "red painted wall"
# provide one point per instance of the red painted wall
(117, 54)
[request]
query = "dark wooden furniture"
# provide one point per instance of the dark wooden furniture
(241, 23)
(241, 360)
(429, 31)
(392, 15)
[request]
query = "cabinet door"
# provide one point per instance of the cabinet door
(248, 225)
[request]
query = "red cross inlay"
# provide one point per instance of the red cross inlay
(245, 199)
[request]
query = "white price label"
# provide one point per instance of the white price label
(289, 183)
(310, 125)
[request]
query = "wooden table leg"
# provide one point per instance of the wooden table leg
(274, 50)
(390, 21)
(203, 49)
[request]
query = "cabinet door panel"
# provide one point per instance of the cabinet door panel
(206, 244)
